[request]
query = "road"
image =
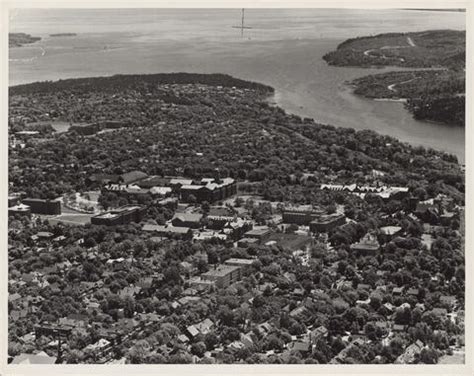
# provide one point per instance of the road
(410, 44)
(392, 86)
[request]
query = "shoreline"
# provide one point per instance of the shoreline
(272, 99)
(399, 100)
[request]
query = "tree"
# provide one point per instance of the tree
(139, 352)
(272, 342)
(230, 334)
(403, 316)
(370, 331)
(226, 316)
(205, 206)
(238, 202)
(198, 349)
(171, 275)
(211, 340)
(75, 357)
(331, 209)
(429, 356)
(291, 228)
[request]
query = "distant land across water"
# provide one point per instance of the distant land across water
(283, 49)
(438, 10)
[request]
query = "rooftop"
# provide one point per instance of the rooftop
(188, 217)
(390, 230)
(133, 176)
(326, 218)
(170, 229)
(368, 242)
(257, 232)
(20, 207)
(221, 271)
(239, 261)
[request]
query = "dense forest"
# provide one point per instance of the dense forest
(434, 48)
(430, 95)
(220, 123)
(139, 81)
(436, 94)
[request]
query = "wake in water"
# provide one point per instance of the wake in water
(30, 59)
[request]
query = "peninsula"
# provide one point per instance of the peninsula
(19, 39)
(434, 91)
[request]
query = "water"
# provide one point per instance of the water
(283, 49)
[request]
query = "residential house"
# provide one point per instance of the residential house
(410, 352)
(202, 327)
(318, 333)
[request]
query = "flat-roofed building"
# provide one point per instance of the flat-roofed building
(217, 222)
(208, 189)
(120, 216)
(201, 284)
(327, 222)
(223, 275)
(42, 206)
(259, 233)
(85, 129)
(243, 263)
(168, 231)
(246, 242)
(191, 220)
(301, 215)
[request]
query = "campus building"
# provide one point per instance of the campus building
(301, 215)
(41, 206)
(327, 222)
(208, 189)
(120, 216)
(223, 275)
(367, 245)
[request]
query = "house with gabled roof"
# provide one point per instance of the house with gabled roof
(410, 352)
